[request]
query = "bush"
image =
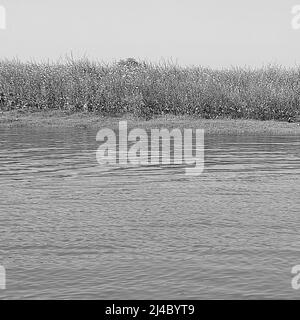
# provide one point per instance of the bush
(146, 90)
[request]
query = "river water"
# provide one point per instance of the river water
(70, 228)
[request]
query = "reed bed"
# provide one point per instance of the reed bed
(147, 90)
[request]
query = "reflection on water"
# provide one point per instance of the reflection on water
(73, 229)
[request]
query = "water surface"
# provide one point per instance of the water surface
(73, 229)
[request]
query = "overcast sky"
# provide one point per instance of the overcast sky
(215, 33)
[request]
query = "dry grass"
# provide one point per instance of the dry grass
(146, 90)
(57, 120)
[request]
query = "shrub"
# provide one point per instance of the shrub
(146, 90)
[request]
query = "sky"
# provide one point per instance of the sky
(213, 33)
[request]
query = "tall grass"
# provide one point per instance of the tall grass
(146, 90)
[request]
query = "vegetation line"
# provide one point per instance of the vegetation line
(147, 90)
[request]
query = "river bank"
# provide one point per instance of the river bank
(60, 119)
